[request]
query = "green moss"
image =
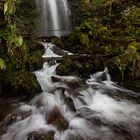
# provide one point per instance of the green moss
(135, 46)
(23, 82)
(2, 64)
(84, 40)
(80, 65)
(126, 62)
(134, 16)
(35, 59)
(63, 70)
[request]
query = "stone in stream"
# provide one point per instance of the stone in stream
(41, 135)
(9, 119)
(56, 118)
(70, 81)
(57, 50)
(7, 106)
(70, 104)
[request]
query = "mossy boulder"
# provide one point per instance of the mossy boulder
(21, 82)
(56, 118)
(35, 60)
(82, 65)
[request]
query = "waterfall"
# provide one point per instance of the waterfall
(53, 18)
(71, 108)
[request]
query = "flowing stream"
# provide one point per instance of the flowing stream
(53, 18)
(70, 108)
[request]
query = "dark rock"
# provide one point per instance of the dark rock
(21, 82)
(58, 42)
(133, 84)
(58, 51)
(70, 104)
(55, 118)
(7, 106)
(39, 46)
(70, 81)
(82, 65)
(41, 135)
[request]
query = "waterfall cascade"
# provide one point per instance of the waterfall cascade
(53, 18)
(70, 108)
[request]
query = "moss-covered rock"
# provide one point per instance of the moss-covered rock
(21, 82)
(35, 61)
(82, 65)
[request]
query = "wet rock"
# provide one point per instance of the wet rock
(14, 116)
(2, 128)
(71, 81)
(74, 137)
(41, 135)
(58, 42)
(70, 104)
(56, 118)
(39, 46)
(7, 106)
(134, 85)
(58, 51)
(11, 118)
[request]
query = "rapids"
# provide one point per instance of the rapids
(70, 108)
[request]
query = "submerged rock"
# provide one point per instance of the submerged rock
(56, 118)
(41, 135)
(69, 102)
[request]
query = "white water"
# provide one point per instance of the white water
(48, 51)
(96, 112)
(54, 15)
(53, 18)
